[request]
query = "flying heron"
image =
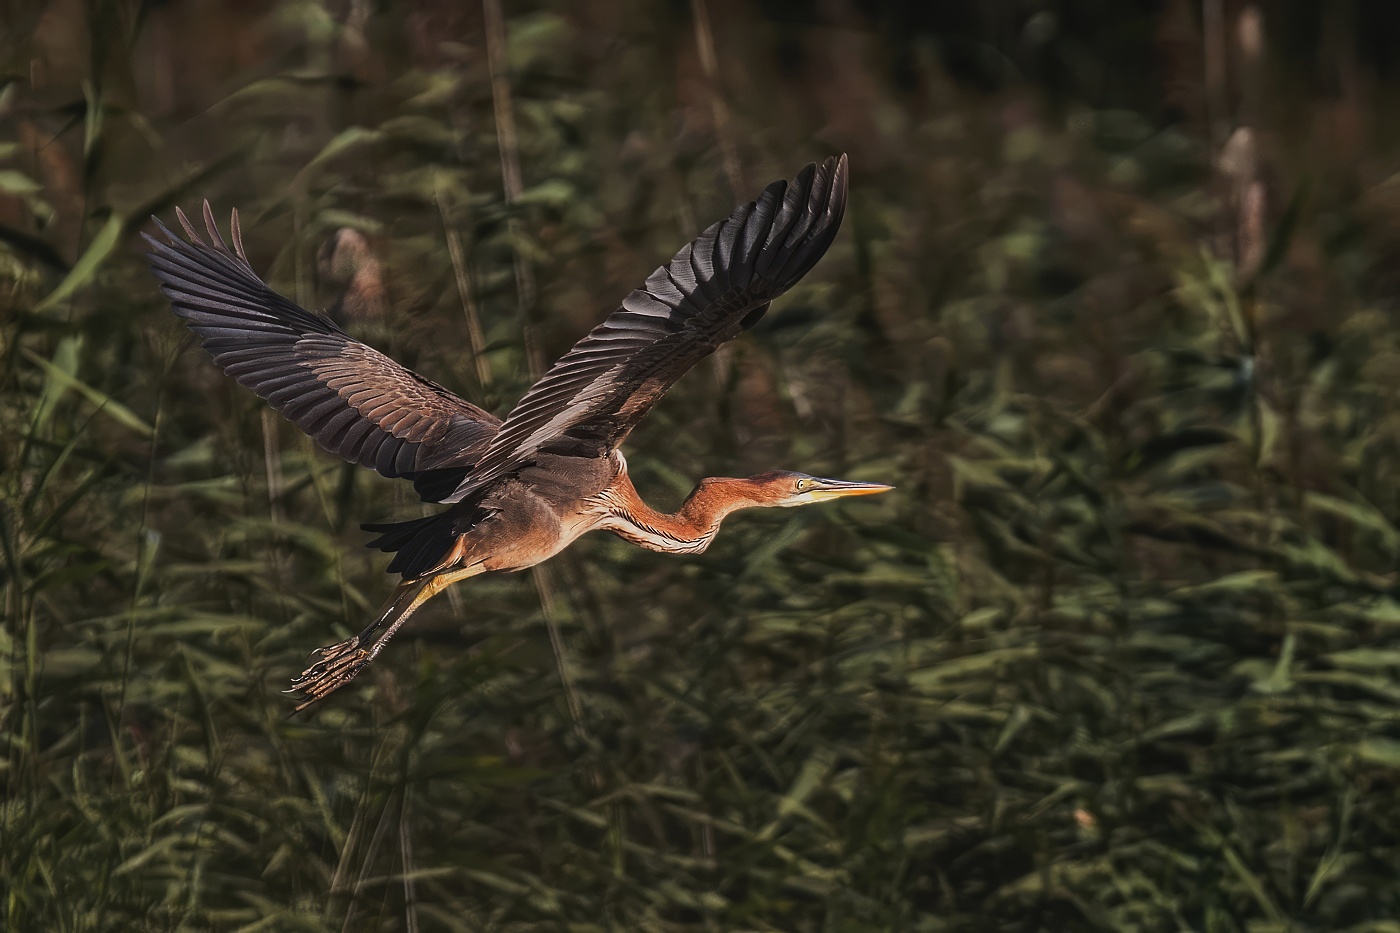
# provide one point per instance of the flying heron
(521, 490)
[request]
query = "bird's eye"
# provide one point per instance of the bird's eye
(802, 484)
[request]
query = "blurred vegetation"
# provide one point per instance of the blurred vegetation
(1115, 307)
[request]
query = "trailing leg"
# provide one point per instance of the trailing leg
(336, 665)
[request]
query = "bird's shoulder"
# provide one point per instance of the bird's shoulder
(565, 480)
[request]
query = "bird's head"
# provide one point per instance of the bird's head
(784, 489)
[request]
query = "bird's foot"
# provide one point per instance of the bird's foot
(334, 667)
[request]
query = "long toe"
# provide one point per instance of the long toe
(336, 666)
(323, 659)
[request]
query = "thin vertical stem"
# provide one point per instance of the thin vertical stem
(272, 466)
(525, 288)
(534, 353)
(511, 178)
(544, 583)
(410, 892)
(1216, 49)
(709, 64)
(475, 335)
(145, 555)
(729, 154)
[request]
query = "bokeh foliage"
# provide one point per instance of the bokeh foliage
(1120, 654)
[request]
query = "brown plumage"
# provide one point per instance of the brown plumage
(520, 490)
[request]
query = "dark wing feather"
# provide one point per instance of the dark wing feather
(354, 400)
(712, 290)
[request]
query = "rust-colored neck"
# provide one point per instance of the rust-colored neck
(689, 529)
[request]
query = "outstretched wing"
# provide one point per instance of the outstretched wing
(354, 400)
(713, 290)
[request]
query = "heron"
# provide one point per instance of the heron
(517, 490)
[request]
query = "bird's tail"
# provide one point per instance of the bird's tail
(419, 545)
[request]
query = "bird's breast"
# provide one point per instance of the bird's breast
(526, 528)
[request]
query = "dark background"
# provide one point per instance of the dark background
(1114, 306)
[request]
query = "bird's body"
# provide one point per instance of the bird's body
(521, 490)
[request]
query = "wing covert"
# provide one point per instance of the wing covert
(352, 399)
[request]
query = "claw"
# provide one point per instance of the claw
(336, 666)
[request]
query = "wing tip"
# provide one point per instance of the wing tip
(817, 207)
(198, 255)
(192, 237)
(841, 179)
(841, 183)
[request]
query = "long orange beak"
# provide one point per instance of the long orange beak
(839, 488)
